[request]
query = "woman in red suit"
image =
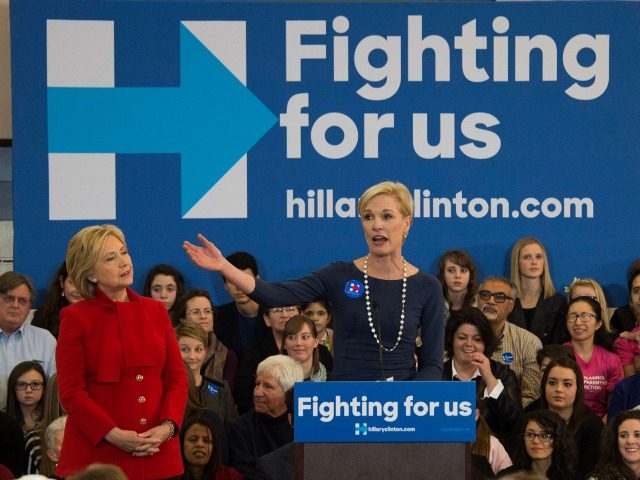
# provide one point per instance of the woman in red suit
(120, 374)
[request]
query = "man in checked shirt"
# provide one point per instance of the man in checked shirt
(517, 347)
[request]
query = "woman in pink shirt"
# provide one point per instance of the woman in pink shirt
(592, 347)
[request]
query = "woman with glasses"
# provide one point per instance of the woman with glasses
(25, 403)
(588, 287)
(543, 446)
(120, 375)
(300, 342)
(220, 362)
(469, 342)
(562, 391)
(538, 308)
(381, 302)
(593, 351)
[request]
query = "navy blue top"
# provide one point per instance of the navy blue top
(356, 353)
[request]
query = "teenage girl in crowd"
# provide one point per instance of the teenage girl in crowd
(300, 342)
(458, 275)
(562, 391)
(320, 312)
(25, 403)
(164, 283)
(539, 308)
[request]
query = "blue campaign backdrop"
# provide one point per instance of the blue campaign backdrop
(327, 99)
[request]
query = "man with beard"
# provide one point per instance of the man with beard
(517, 347)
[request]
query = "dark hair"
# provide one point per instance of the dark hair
(611, 465)
(164, 269)
(13, 407)
(242, 261)
(580, 410)
(327, 306)
(553, 351)
(464, 260)
(634, 271)
(180, 307)
(471, 316)
(601, 338)
(218, 440)
(294, 325)
(48, 315)
(563, 458)
(11, 280)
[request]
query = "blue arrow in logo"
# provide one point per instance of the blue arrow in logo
(211, 119)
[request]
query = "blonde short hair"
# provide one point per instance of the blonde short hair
(83, 253)
(396, 189)
(547, 282)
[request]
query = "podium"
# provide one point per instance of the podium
(384, 430)
(383, 461)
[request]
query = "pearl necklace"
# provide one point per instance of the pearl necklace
(368, 304)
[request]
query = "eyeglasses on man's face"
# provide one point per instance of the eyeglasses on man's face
(32, 385)
(499, 297)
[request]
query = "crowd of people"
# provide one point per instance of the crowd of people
(169, 385)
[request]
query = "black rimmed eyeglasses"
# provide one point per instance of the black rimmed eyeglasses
(498, 296)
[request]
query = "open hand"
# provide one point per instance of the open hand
(207, 256)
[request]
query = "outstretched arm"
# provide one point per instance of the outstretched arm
(209, 257)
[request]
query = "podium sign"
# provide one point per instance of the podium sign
(389, 412)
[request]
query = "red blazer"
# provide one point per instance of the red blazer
(119, 365)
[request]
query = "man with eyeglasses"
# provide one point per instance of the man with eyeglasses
(516, 347)
(20, 342)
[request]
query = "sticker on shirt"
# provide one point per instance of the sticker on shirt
(507, 357)
(353, 288)
(213, 389)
